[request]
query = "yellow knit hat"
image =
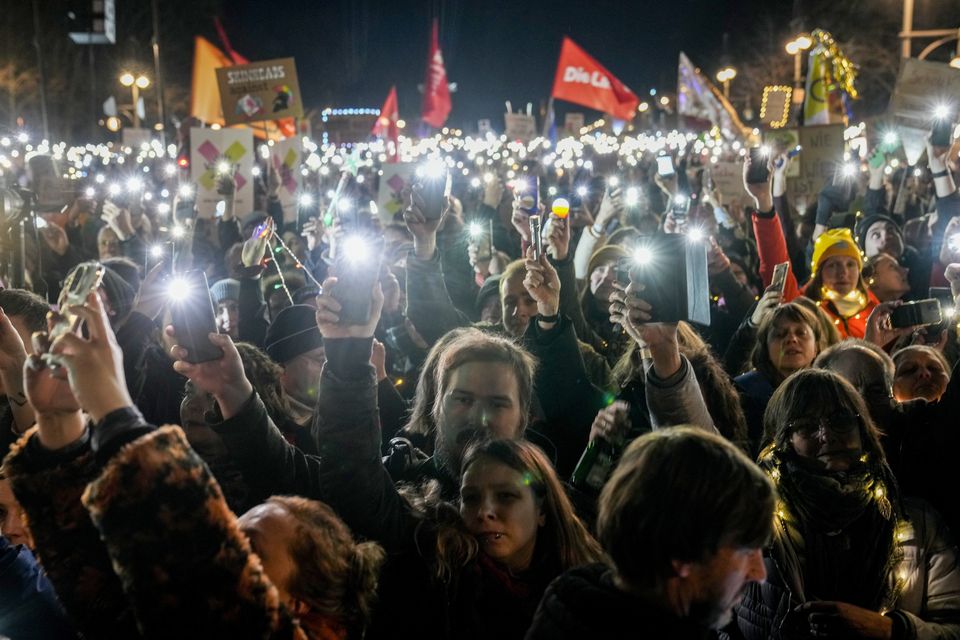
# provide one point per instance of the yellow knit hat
(835, 242)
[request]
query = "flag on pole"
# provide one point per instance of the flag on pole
(699, 99)
(582, 80)
(386, 125)
(436, 90)
(822, 102)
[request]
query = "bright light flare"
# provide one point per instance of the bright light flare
(632, 196)
(156, 251)
(849, 170)
(305, 200)
(696, 234)
(178, 289)
(890, 137)
(355, 249)
(185, 191)
(613, 182)
(134, 185)
(434, 169)
(582, 191)
(113, 189)
(170, 170)
(941, 111)
(178, 231)
(475, 229)
(223, 167)
(642, 256)
(90, 192)
(679, 199)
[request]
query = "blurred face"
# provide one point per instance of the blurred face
(481, 400)
(518, 306)
(272, 531)
(601, 283)
(108, 244)
(278, 301)
(501, 511)
(301, 376)
(194, 406)
(717, 585)
(883, 237)
(919, 375)
(492, 310)
(228, 317)
(831, 438)
(11, 526)
(889, 281)
(791, 346)
(840, 274)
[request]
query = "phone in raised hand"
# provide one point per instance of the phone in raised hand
(193, 316)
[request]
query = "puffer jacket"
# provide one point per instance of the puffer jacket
(928, 604)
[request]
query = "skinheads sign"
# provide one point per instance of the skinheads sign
(260, 91)
(582, 80)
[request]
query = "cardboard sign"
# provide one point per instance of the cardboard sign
(822, 153)
(285, 158)
(260, 91)
(520, 126)
(784, 140)
(572, 123)
(921, 87)
(210, 152)
(727, 177)
(395, 177)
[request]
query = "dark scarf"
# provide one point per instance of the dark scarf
(835, 530)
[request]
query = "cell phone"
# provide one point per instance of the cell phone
(944, 296)
(793, 153)
(624, 265)
(484, 242)
(356, 275)
(435, 191)
(536, 236)
(759, 170)
(193, 316)
(679, 206)
(665, 166)
(80, 283)
(530, 201)
(942, 132)
(779, 280)
(919, 313)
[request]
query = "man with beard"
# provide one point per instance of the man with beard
(683, 546)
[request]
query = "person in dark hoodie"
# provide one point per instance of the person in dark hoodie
(683, 546)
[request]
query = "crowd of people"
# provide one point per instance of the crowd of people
(450, 424)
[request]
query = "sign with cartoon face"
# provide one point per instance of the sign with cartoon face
(260, 91)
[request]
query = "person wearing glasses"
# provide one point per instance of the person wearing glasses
(850, 557)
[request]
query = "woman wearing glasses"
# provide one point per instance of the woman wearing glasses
(849, 557)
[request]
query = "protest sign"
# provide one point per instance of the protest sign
(520, 126)
(921, 87)
(572, 123)
(211, 151)
(285, 158)
(822, 153)
(782, 140)
(727, 178)
(260, 91)
(389, 200)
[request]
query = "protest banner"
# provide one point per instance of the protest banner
(260, 91)
(520, 126)
(285, 158)
(389, 200)
(822, 153)
(211, 151)
(921, 87)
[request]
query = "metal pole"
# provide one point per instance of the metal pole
(40, 74)
(136, 102)
(796, 69)
(161, 110)
(905, 44)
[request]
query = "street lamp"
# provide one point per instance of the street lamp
(725, 75)
(136, 83)
(796, 47)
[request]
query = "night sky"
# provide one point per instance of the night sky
(349, 52)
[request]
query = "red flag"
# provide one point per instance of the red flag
(386, 125)
(583, 80)
(436, 92)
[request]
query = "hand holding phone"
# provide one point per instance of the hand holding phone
(536, 236)
(779, 280)
(80, 283)
(759, 171)
(665, 166)
(193, 316)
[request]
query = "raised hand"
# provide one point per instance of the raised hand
(542, 283)
(222, 378)
(328, 309)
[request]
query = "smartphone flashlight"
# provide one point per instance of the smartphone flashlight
(223, 167)
(255, 171)
(679, 199)
(849, 170)
(941, 111)
(134, 185)
(475, 183)
(156, 251)
(642, 256)
(177, 231)
(113, 189)
(305, 200)
(185, 191)
(178, 289)
(582, 191)
(41, 223)
(695, 234)
(890, 138)
(613, 182)
(355, 249)
(632, 197)
(475, 229)
(90, 192)
(170, 170)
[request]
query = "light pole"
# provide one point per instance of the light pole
(725, 75)
(135, 83)
(796, 47)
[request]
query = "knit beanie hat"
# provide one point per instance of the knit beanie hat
(607, 253)
(491, 287)
(292, 333)
(835, 242)
(120, 294)
(863, 226)
(226, 289)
